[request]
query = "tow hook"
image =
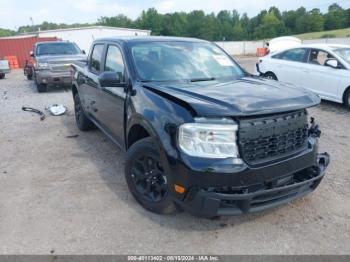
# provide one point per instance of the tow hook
(314, 129)
(323, 159)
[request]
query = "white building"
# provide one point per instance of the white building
(84, 36)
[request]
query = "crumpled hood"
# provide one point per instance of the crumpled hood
(60, 58)
(242, 97)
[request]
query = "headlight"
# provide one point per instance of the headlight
(209, 140)
(43, 65)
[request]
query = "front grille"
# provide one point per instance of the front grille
(60, 66)
(270, 138)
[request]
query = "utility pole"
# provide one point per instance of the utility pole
(32, 21)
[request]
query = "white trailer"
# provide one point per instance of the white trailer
(84, 36)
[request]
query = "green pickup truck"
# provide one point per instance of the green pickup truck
(4, 68)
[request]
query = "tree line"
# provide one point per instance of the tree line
(226, 25)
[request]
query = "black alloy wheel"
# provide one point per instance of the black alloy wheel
(146, 177)
(149, 179)
(83, 123)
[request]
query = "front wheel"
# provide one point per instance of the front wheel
(42, 88)
(146, 177)
(347, 99)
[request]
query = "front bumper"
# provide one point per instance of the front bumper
(53, 78)
(218, 201)
(5, 71)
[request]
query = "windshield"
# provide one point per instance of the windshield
(193, 61)
(343, 53)
(57, 49)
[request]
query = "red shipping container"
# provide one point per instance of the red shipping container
(20, 47)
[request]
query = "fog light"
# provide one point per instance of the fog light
(179, 189)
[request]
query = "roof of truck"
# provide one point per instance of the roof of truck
(133, 39)
(52, 42)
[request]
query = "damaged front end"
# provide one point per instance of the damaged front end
(221, 201)
(272, 174)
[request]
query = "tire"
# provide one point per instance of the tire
(146, 178)
(270, 75)
(42, 88)
(29, 77)
(347, 99)
(83, 122)
(2, 76)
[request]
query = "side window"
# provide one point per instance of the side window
(114, 62)
(318, 57)
(295, 55)
(96, 58)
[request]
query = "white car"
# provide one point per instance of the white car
(323, 69)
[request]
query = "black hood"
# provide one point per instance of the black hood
(242, 97)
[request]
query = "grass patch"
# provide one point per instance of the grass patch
(326, 34)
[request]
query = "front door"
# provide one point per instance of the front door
(318, 77)
(111, 100)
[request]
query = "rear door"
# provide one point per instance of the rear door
(111, 100)
(319, 78)
(288, 65)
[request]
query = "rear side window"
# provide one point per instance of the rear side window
(295, 55)
(114, 62)
(96, 58)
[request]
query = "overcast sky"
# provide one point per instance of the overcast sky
(14, 13)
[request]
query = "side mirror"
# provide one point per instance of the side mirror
(31, 53)
(110, 79)
(332, 63)
(83, 51)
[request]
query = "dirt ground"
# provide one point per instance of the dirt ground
(63, 191)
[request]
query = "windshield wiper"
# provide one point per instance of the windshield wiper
(202, 79)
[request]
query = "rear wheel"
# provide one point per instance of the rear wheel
(83, 122)
(270, 75)
(146, 177)
(347, 99)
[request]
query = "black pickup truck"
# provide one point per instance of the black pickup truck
(200, 133)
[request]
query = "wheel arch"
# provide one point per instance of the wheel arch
(138, 128)
(345, 92)
(270, 72)
(74, 89)
(136, 133)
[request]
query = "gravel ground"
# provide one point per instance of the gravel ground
(67, 195)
